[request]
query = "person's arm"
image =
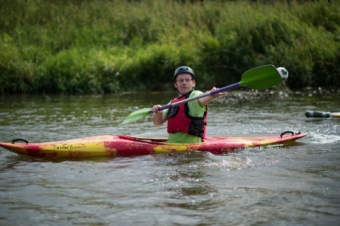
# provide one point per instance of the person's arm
(207, 99)
(158, 118)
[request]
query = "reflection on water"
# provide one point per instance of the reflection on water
(280, 184)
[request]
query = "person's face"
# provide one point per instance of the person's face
(184, 83)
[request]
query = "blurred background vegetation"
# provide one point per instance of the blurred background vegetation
(110, 46)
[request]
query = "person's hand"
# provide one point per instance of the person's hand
(155, 109)
(217, 94)
(158, 117)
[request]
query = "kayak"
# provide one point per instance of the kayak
(122, 145)
(322, 114)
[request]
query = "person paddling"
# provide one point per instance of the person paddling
(186, 122)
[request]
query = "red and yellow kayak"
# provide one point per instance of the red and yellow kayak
(109, 145)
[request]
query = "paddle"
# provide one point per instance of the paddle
(258, 78)
(321, 114)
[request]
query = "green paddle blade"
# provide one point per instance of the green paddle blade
(134, 116)
(261, 78)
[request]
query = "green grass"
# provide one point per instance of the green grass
(102, 46)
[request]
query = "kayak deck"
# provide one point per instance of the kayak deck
(111, 145)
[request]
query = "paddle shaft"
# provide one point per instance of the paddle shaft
(225, 88)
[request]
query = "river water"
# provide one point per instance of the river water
(293, 184)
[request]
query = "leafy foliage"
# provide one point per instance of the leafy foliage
(112, 46)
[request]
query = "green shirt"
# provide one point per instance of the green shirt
(195, 110)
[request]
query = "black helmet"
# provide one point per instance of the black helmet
(184, 69)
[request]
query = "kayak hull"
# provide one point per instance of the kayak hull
(120, 145)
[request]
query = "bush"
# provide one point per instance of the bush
(114, 46)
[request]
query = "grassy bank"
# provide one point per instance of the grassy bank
(103, 46)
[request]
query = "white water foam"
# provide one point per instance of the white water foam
(318, 138)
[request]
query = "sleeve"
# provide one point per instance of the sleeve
(165, 111)
(195, 109)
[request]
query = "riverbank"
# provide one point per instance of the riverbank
(101, 46)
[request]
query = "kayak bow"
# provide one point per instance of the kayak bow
(322, 114)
